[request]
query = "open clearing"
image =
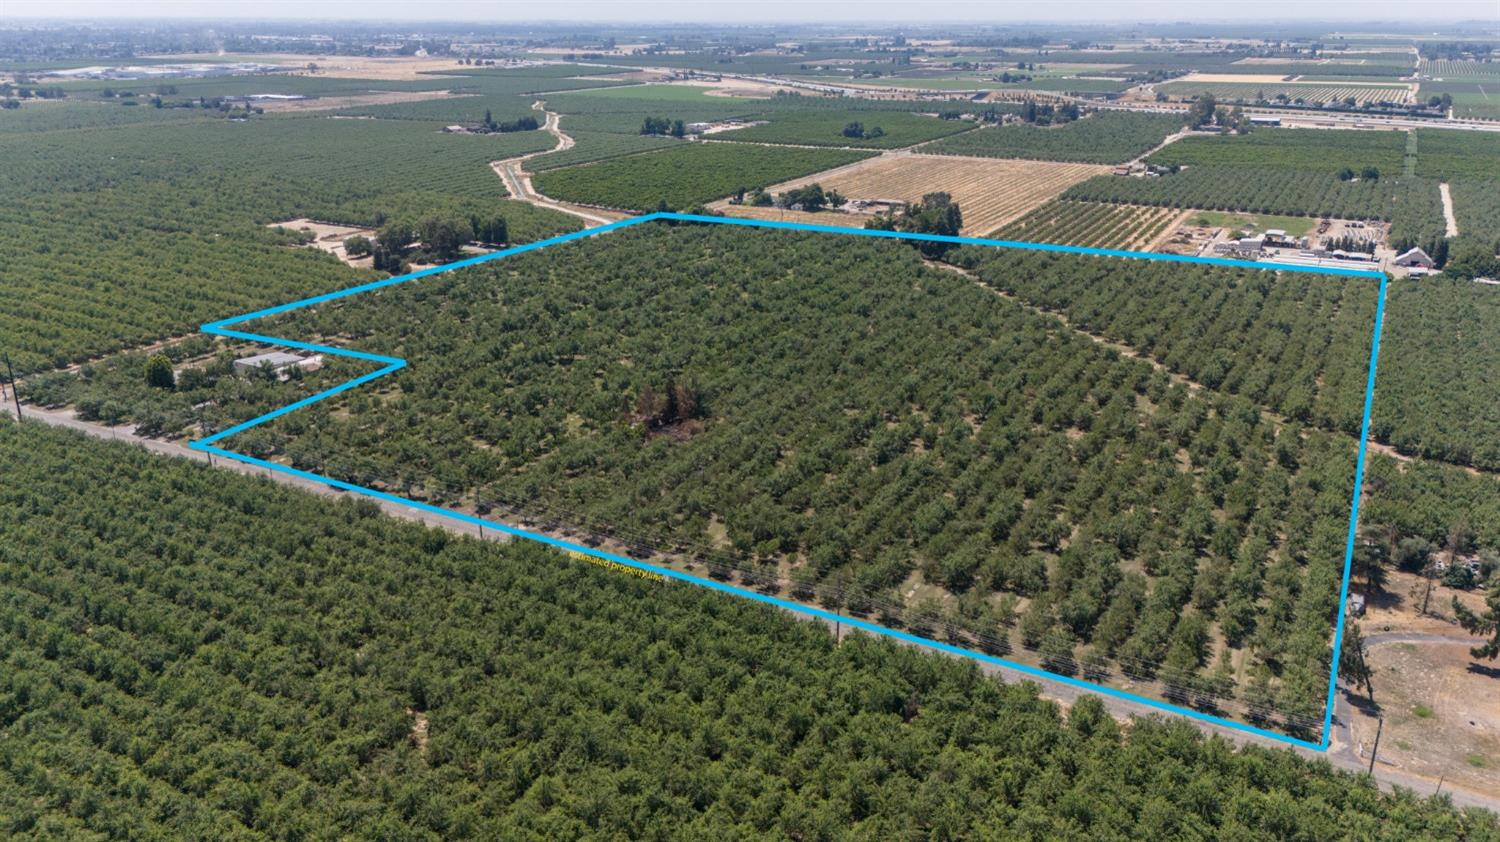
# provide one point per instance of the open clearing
(991, 191)
(773, 214)
(331, 103)
(1442, 718)
(330, 238)
(353, 67)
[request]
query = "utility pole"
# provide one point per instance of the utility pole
(203, 429)
(1380, 726)
(14, 392)
(1439, 789)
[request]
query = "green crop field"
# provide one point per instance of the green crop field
(355, 677)
(821, 128)
(1298, 149)
(1295, 226)
(686, 176)
(1478, 99)
(1301, 349)
(1101, 138)
(274, 83)
(623, 109)
(1131, 476)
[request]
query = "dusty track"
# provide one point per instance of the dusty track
(518, 182)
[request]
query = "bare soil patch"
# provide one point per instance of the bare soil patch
(330, 103)
(330, 238)
(358, 67)
(743, 88)
(842, 220)
(1442, 716)
(1248, 78)
(991, 191)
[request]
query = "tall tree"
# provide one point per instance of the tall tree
(1372, 554)
(1353, 665)
(159, 372)
(1482, 623)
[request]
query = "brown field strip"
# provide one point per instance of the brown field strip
(991, 191)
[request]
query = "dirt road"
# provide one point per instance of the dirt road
(518, 182)
(1448, 217)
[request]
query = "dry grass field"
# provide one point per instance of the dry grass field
(835, 218)
(991, 191)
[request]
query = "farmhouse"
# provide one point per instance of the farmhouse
(279, 362)
(1415, 257)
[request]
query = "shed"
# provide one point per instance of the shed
(1414, 257)
(277, 361)
(1357, 604)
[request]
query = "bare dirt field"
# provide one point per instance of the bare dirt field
(330, 103)
(1442, 716)
(1440, 705)
(836, 218)
(330, 238)
(991, 191)
(358, 67)
(743, 88)
(1247, 78)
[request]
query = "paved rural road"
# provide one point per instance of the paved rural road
(1340, 754)
(1344, 754)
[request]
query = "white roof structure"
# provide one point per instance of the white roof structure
(274, 359)
(1413, 257)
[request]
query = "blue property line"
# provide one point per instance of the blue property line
(392, 364)
(1359, 481)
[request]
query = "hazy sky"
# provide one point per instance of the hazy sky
(772, 11)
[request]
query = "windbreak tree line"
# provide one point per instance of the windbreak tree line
(250, 662)
(865, 425)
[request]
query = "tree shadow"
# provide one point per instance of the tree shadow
(1487, 672)
(1360, 702)
(1385, 599)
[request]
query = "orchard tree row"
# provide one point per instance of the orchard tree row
(860, 422)
(187, 653)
